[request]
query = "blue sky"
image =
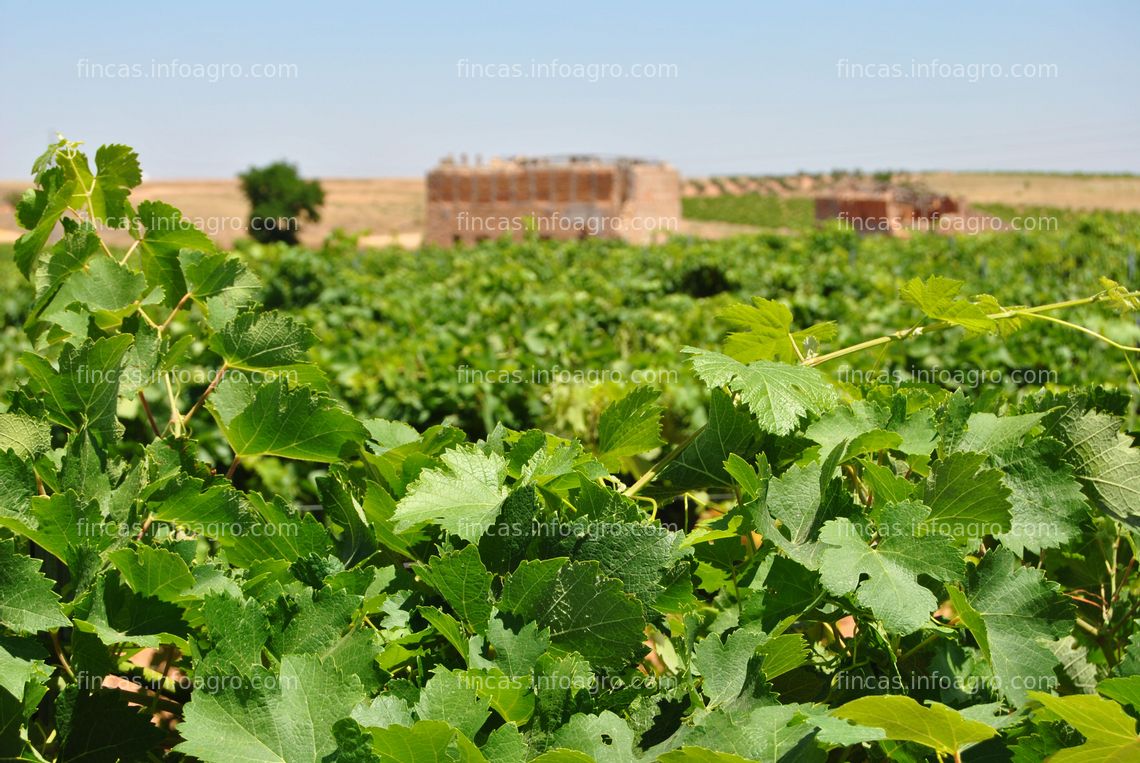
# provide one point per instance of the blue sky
(385, 89)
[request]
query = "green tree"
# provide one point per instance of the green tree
(278, 198)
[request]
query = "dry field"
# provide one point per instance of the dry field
(391, 210)
(1016, 189)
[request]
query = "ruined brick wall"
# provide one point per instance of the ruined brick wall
(560, 201)
(946, 205)
(651, 209)
(826, 207)
(872, 212)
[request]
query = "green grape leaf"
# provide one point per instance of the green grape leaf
(505, 745)
(584, 611)
(772, 732)
(280, 718)
(778, 395)
(638, 555)
(937, 298)
(117, 615)
(102, 726)
(25, 436)
(1106, 463)
(342, 501)
(82, 393)
(763, 331)
(692, 754)
(890, 588)
(630, 426)
(116, 172)
(1046, 502)
(27, 602)
(220, 283)
(188, 502)
(464, 583)
(782, 654)
(967, 502)
(1125, 690)
(870, 427)
(239, 630)
(424, 742)
(1014, 613)
(1109, 732)
(271, 530)
(66, 526)
(943, 729)
(723, 664)
(450, 695)
(166, 233)
(730, 432)
(105, 286)
(153, 572)
(263, 340)
(463, 497)
(67, 256)
(517, 653)
(448, 627)
(603, 737)
(295, 423)
(507, 540)
(17, 484)
(39, 213)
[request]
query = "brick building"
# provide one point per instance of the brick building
(560, 198)
(894, 211)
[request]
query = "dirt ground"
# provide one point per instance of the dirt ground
(1092, 192)
(391, 210)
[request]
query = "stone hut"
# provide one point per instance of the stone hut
(893, 211)
(561, 198)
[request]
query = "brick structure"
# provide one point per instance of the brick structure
(893, 211)
(558, 198)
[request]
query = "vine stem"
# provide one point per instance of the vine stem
(654, 470)
(149, 321)
(922, 644)
(174, 312)
(202, 400)
(63, 663)
(1083, 330)
(175, 416)
(149, 414)
(130, 251)
(896, 336)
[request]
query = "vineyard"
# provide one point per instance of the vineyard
(797, 497)
(753, 209)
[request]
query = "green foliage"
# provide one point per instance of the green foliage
(545, 334)
(278, 199)
(823, 569)
(1110, 733)
(903, 719)
(761, 210)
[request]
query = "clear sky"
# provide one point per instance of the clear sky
(386, 89)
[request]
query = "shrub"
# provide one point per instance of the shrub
(278, 197)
